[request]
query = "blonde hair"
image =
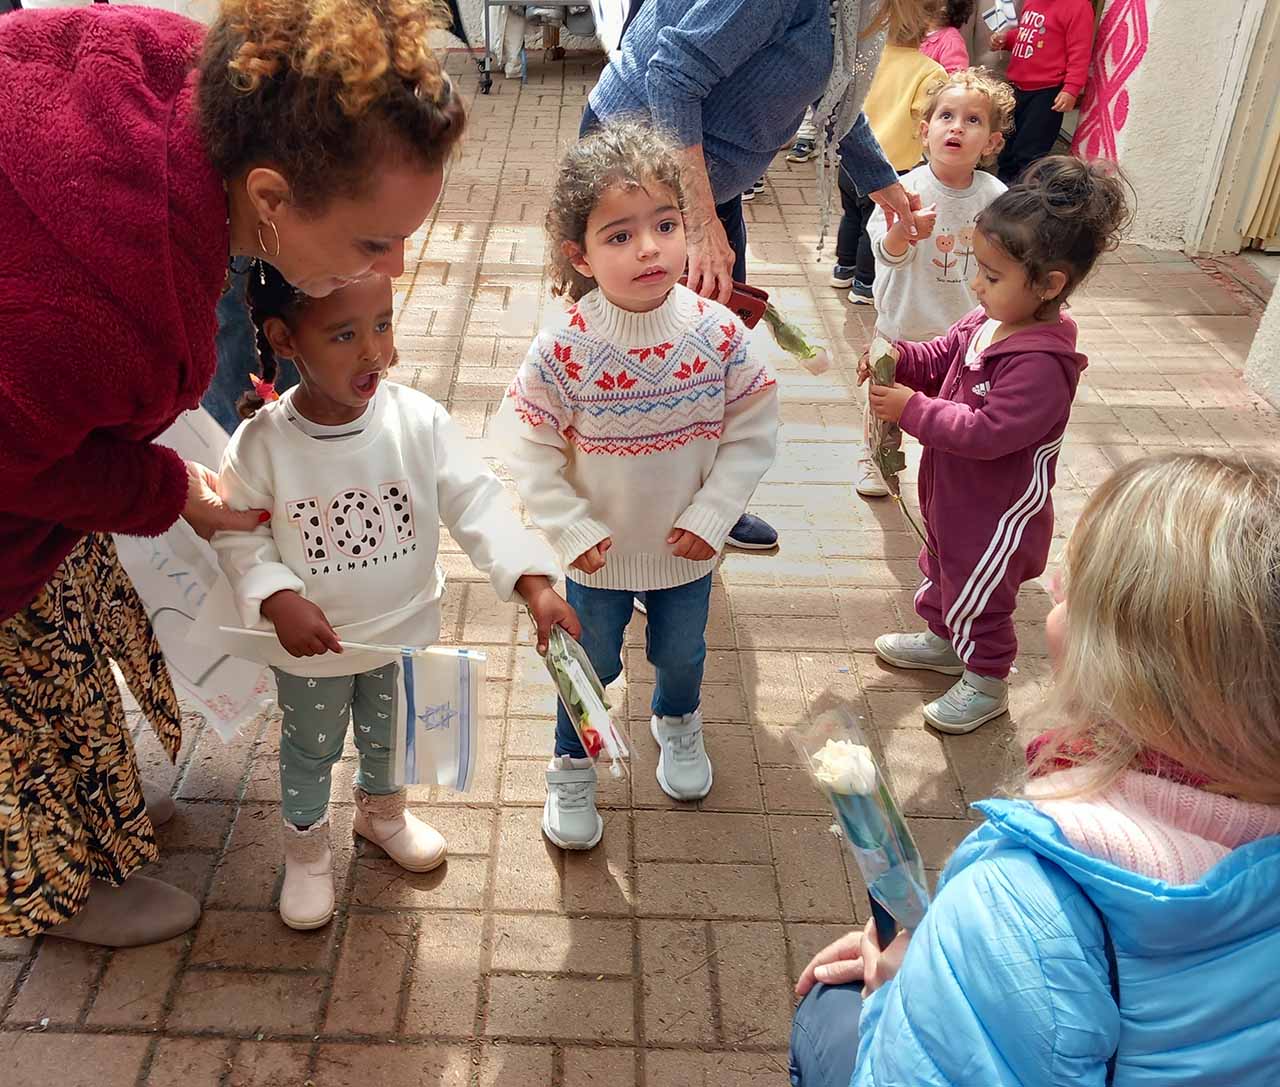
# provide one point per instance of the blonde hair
(905, 22)
(628, 153)
(983, 81)
(322, 88)
(1173, 631)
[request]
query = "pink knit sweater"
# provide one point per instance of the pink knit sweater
(1153, 826)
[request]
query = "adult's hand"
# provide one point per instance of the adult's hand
(710, 260)
(880, 965)
(207, 513)
(898, 204)
(838, 963)
(710, 254)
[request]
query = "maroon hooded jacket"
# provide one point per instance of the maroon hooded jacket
(991, 437)
(114, 253)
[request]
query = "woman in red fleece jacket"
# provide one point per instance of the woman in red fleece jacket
(1050, 50)
(137, 155)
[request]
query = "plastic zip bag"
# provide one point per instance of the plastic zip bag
(582, 695)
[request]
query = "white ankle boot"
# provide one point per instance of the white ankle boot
(406, 839)
(306, 900)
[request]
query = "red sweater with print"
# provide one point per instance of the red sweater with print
(1051, 45)
(115, 250)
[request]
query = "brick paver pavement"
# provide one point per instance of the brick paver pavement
(665, 957)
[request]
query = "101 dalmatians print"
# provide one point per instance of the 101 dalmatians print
(355, 529)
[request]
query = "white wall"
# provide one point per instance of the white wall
(1262, 370)
(1177, 106)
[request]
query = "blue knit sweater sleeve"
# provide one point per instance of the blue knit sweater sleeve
(862, 161)
(693, 56)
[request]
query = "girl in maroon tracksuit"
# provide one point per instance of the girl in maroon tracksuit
(989, 401)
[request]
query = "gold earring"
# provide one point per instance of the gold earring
(275, 235)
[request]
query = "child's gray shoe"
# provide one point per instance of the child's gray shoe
(684, 771)
(569, 816)
(924, 650)
(973, 701)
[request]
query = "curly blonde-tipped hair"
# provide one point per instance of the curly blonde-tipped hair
(983, 81)
(321, 88)
(1172, 640)
(626, 153)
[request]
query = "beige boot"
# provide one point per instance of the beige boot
(406, 839)
(140, 911)
(306, 899)
(160, 805)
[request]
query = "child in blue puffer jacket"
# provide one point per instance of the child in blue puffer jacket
(1120, 922)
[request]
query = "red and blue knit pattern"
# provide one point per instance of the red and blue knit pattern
(632, 402)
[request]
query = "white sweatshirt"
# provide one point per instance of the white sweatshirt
(924, 292)
(355, 528)
(627, 425)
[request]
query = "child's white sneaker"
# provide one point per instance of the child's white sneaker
(306, 899)
(870, 482)
(973, 701)
(569, 816)
(383, 820)
(924, 650)
(684, 771)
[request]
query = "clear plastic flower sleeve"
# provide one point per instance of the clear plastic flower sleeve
(582, 695)
(843, 767)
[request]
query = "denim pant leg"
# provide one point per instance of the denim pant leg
(316, 713)
(824, 1036)
(676, 645)
(372, 714)
(735, 229)
(237, 349)
(589, 122)
(604, 614)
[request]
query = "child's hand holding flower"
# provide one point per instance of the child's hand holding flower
(687, 545)
(890, 401)
(547, 608)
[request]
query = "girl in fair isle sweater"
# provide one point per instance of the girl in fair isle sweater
(636, 436)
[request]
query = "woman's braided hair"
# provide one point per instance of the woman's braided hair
(323, 89)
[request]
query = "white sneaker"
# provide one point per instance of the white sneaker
(973, 701)
(569, 816)
(684, 771)
(924, 650)
(870, 483)
(306, 899)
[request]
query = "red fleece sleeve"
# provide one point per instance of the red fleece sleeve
(1079, 47)
(924, 366)
(1026, 401)
(59, 389)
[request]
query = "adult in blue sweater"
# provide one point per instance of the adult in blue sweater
(1119, 922)
(731, 80)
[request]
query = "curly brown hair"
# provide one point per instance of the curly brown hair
(321, 89)
(628, 153)
(1061, 215)
(998, 93)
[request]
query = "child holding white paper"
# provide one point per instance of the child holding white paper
(358, 473)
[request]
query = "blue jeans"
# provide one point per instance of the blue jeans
(824, 1036)
(674, 643)
(237, 355)
(729, 213)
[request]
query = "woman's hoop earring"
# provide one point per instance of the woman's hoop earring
(275, 235)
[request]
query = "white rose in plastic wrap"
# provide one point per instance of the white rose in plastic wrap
(845, 767)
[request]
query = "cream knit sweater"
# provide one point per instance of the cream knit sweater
(627, 425)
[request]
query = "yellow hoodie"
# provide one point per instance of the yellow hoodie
(896, 101)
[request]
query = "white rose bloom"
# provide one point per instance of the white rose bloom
(845, 767)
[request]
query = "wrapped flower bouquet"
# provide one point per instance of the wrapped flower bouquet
(582, 695)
